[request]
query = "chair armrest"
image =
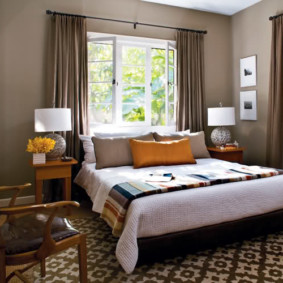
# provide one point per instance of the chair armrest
(16, 189)
(19, 187)
(36, 207)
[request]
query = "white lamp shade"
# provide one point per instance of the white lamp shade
(221, 116)
(52, 120)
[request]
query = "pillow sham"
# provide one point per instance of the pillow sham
(197, 141)
(174, 135)
(147, 153)
(114, 152)
(120, 134)
(89, 155)
(198, 145)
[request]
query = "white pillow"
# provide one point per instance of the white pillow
(89, 155)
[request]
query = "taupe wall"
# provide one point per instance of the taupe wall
(251, 35)
(23, 41)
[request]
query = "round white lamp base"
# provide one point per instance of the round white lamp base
(60, 147)
(220, 136)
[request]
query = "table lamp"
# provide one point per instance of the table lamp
(221, 116)
(53, 120)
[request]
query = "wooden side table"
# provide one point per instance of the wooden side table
(53, 170)
(232, 155)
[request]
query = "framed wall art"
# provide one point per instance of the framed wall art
(248, 71)
(248, 108)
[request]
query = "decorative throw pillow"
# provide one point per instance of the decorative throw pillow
(114, 152)
(89, 155)
(197, 141)
(146, 153)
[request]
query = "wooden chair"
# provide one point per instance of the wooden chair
(32, 236)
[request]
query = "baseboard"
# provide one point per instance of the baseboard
(19, 201)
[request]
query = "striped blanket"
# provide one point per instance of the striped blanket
(121, 195)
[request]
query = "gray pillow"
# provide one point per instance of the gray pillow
(114, 152)
(197, 141)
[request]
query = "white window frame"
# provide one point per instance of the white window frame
(118, 42)
(171, 46)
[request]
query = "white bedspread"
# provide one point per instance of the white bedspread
(182, 210)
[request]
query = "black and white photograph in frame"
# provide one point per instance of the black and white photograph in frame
(248, 71)
(248, 108)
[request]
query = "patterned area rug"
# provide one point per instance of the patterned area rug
(257, 260)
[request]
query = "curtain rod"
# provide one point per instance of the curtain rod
(275, 17)
(48, 12)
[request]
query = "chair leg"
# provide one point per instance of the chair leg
(82, 253)
(42, 268)
(21, 276)
(2, 266)
(19, 273)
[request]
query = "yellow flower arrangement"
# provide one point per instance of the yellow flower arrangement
(40, 145)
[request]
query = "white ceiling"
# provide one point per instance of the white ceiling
(225, 7)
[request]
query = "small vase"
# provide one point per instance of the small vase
(39, 158)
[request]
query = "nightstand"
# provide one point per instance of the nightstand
(56, 169)
(232, 155)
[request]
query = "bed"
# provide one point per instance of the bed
(204, 214)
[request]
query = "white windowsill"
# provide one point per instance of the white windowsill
(111, 128)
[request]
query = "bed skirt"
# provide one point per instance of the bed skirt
(180, 243)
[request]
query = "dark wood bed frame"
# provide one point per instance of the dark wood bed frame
(180, 243)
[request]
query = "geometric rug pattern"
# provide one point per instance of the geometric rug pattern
(257, 260)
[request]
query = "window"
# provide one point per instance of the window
(131, 81)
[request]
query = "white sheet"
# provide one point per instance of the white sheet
(182, 210)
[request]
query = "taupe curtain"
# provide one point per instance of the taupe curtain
(68, 75)
(275, 107)
(191, 112)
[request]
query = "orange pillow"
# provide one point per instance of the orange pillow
(149, 153)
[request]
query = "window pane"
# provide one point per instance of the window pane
(171, 93)
(158, 64)
(158, 87)
(133, 95)
(158, 56)
(133, 56)
(100, 92)
(133, 75)
(101, 113)
(157, 70)
(100, 72)
(158, 109)
(133, 113)
(171, 74)
(100, 51)
(171, 57)
(171, 112)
